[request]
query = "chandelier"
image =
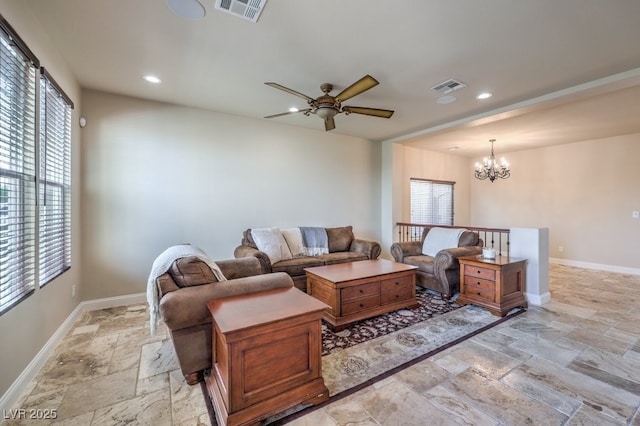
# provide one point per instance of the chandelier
(490, 169)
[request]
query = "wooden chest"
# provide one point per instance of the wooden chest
(267, 350)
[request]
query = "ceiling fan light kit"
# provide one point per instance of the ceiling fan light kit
(327, 106)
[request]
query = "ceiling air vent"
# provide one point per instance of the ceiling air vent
(246, 9)
(449, 86)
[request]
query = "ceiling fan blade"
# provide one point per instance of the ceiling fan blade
(385, 113)
(289, 112)
(286, 89)
(329, 124)
(365, 83)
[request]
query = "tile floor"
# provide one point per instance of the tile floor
(575, 361)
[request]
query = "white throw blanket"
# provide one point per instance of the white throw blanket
(441, 238)
(162, 265)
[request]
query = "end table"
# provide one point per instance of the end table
(495, 284)
(266, 354)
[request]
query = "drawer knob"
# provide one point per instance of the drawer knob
(361, 291)
(478, 293)
(362, 306)
(478, 270)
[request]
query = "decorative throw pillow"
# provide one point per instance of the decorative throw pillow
(293, 237)
(340, 238)
(441, 238)
(192, 270)
(271, 242)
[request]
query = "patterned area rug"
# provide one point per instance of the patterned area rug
(371, 350)
(431, 304)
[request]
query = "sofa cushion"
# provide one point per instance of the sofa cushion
(296, 265)
(190, 271)
(340, 238)
(342, 257)
(424, 263)
(293, 237)
(271, 242)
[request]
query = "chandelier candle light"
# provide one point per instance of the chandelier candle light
(490, 169)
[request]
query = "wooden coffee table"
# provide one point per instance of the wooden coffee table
(362, 289)
(267, 349)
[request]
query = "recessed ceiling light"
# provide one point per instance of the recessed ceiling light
(454, 148)
(484, 95)
(443, 100)
(152, 79)
(293, 109)
(189, 9)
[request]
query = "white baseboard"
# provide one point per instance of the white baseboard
(538, 299)
(112, 302)
(597, 266)
(11, 396)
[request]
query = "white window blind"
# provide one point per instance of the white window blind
(54, 180)
(17, 168)
(431, 202)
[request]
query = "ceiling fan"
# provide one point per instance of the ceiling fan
(327, 106)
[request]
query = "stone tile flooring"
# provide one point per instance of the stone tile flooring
(575, 361)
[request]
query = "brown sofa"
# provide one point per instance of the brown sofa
(442, 271)
(184, 291)
(343, 247)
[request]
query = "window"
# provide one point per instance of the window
(17, 168)
(35, 173)
(54, 180)
(431, 202)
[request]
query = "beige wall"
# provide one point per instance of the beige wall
(156, 175)
(26, 328)
(583, 192)
(422, 164)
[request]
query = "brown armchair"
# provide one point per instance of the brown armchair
(442, 271)
(184, 291)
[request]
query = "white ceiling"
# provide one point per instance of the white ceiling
(560, 70)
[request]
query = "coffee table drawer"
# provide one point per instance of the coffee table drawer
(396, 284)
(363, 290)
(360, 304)
(398, 294)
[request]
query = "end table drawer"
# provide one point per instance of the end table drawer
(476, 287)
(363, 290)
(475, 271)
(360, 304)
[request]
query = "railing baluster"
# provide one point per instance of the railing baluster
(413, 232)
